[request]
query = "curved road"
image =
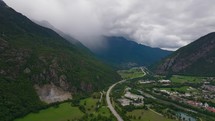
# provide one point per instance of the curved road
(110, 106)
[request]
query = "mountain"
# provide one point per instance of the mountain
(197, 58)
(72, 40)
(46, 24)
(123, 53)
(38, 66)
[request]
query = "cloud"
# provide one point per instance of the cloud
(167, 24)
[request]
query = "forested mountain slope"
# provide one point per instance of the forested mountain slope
(197, 58)
(123, 53)
(37, 61)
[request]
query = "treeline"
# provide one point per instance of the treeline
(17, 98)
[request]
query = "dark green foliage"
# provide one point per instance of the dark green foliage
(31, 54)
(123, 53)
(17, 98)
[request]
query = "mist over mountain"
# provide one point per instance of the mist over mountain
(66, 36)
(123, 53)
(107, 60)
(155, 23)
(117, 51)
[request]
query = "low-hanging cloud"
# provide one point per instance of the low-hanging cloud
(167, 24)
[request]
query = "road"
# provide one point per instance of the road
(110, 106)
(142, 69)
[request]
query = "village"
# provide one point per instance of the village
(187, 94)
(131, 99)
(177, 97)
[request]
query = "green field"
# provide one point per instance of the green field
(143, 115)
(90, 106)
(104, 111)
(181, 89)
(64, 112)
(131, 73)
(183, 79)
(213, 100)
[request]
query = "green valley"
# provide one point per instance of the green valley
(65, 60)
(87, 109)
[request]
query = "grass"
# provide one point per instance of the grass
(143, 115)
(64, 112)
(131, 73)
(181, 89)
(213, 100)
(183, 79)
(89, 104)
(104, 111)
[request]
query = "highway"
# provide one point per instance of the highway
(110, 106)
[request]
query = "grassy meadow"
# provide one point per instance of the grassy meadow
(131, 73)
(146, 115)
(64, 112)
(184, 79)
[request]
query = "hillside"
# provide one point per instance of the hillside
(197, 58)
(123, 53)
(37, 64)
(46, 24)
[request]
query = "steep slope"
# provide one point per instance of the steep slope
(72, 40)
(36, 63)
(197, 58)
(123, 53)
(65, 36)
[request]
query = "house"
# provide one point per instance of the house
(164, 81)
(165, 91)
(211, 109)
(133, 96)
(125, 102)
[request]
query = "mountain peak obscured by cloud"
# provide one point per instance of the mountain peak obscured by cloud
(167, 24)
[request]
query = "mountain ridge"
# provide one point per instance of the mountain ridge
(123, 53)
(197, 58)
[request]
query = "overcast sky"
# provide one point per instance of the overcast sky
(167, 24)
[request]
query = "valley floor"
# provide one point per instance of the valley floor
(91, 108)
(150, 97)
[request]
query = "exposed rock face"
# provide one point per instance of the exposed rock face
(196, 58)
(85, 86)
(50, 93)
(63, 82)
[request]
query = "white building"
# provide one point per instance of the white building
(164, 81)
